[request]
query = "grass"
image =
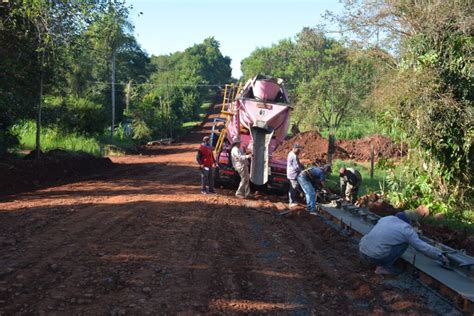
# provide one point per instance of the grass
(52, 138)
(202, 114)
(355, 128)
(378, 184)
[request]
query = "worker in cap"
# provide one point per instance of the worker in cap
(240, 162)
(311, 180)
(390, 237)
(293, 169)
(207, 163)
(350, 181)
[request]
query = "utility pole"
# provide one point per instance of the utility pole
(113, 96)
(128, 96)
(38, 116)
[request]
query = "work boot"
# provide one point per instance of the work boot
(382, 271)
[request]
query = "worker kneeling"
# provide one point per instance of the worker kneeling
(388, 240)
(350, 181)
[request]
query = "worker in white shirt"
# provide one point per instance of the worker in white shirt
(240, 161)
(390, 237)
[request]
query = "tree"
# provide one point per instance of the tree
(332, 96)
(52, 24)
(18, 66)
(429, 95)
(178, 84)
(110, 35)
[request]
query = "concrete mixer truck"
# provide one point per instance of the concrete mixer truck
(257, 114)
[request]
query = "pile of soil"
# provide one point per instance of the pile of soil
(360, 149)
(316, 146)
(19, 175)
(457, 239)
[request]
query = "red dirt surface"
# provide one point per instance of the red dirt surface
(316, 146)
(140, 239)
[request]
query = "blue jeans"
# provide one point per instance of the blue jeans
(308, 189)
(388, 261)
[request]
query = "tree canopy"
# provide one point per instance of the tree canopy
(56, 61)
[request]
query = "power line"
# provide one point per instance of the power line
(161, 84)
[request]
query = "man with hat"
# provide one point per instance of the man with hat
(350, 181)
(206, 161)
(390, 237)
(311, 178)
(240, 161)
(293, 169)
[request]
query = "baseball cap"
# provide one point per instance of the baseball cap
(408, 216)
(412, 215)
(296, 145)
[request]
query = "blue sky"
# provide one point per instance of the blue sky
(167, 26)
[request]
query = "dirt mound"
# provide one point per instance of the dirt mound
(359, 149)
(316, 146)
(19, 175)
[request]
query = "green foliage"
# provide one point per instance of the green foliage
(175, 91)
(74, 115)
(426, 101)
(18, 64)
(63, 49)
(356, 129)
(408, 188)
(202, 114)
(53, 137)
(368, 185)
(441, 129)
(327, 82)
(141, 132)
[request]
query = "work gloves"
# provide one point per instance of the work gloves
(443, 259)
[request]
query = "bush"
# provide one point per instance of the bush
(74, 115)
(141, 132)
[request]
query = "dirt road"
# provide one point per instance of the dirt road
(141, 239)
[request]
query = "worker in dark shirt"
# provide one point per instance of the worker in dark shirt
(350, 182)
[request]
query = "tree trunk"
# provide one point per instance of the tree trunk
(113, 98)
(38, 116)
(331, 147)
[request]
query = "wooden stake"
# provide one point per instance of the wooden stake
(371, 161)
